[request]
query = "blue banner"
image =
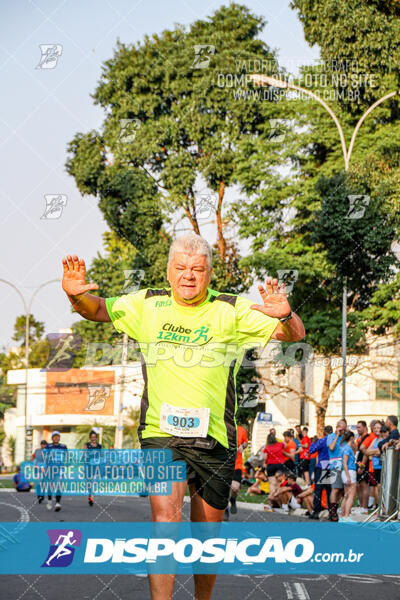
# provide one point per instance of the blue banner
(223, 548)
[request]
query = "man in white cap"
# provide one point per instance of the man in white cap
(55, 445)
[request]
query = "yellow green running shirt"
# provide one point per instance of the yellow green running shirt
(190, 355)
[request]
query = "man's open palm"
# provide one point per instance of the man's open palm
(74, 276)
(275, 301)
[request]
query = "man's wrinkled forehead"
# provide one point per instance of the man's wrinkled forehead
(189, 260)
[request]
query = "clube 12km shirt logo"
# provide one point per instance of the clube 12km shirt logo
(62, 547)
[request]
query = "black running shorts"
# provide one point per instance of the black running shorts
(210, 470)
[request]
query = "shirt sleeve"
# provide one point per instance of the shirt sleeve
(253, 328)
(125, 312)
(316, 447)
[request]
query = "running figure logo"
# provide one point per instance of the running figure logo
(98, 395)
(62, 547)
(62, 350)
(55, 204)
(202, 334)
(50, 55)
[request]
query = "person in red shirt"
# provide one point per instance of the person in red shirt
(304, 458)
(242, 443)
(274, 459)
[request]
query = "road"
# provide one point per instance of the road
(23, 507)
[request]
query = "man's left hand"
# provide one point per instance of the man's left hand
(275, 301)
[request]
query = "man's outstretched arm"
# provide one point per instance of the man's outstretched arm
(74, 285)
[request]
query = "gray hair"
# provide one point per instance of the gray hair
(191, 243)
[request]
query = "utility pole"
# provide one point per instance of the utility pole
(27, 308)
(120, 388)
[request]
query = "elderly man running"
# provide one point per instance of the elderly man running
(192, 340)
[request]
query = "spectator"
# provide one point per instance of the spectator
(249, 473)
(273, 459)
(363, 441)
(349, 474)
(289, 451)
(299, 433)
(287, 493)
(335, 466)
(391, 423)
(278, 496)
(20, 483)
(304, 457)
(51, 448)
(261, 485)
(374, 455)
(371, 439)
(307, 496)
(313, 459)
(37, 456)
(92, 444)
(322, 472)
(297, 438)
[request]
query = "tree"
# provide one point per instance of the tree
(36, 330)
(172, 128)
(303, 222)
(11, 445)
(8, 394)
(356, 37)
(131, 425)
(2, 435)
(38, 349)
(173, 135)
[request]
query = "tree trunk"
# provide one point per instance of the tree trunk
(191, 215)
(323, 404)
(221, 239)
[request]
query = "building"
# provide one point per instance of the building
(372, 387)
(62, 400)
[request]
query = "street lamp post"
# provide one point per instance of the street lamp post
(279, 83)
(27, 309)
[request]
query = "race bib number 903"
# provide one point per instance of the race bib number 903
(184, 422)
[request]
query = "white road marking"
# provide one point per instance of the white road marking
(361, 578)
(22, 521)
(296, 591)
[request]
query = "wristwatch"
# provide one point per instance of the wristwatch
(284, 319)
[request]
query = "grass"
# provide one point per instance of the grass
(6, 483)
(242, 498)
(261, 499)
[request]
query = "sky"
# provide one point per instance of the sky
(41, 109)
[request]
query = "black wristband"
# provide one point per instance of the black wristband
(284, 319)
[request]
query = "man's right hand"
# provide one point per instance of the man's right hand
(74, 276)
(75, 286)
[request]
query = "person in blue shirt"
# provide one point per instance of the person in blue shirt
(37, 457)
(349, 474)
(55, 445)
(391, 423)
(321, 473)
(20, 483)
(335, 465)
(374, 453)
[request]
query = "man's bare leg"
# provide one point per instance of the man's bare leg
(202, 512)
(166, 509)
